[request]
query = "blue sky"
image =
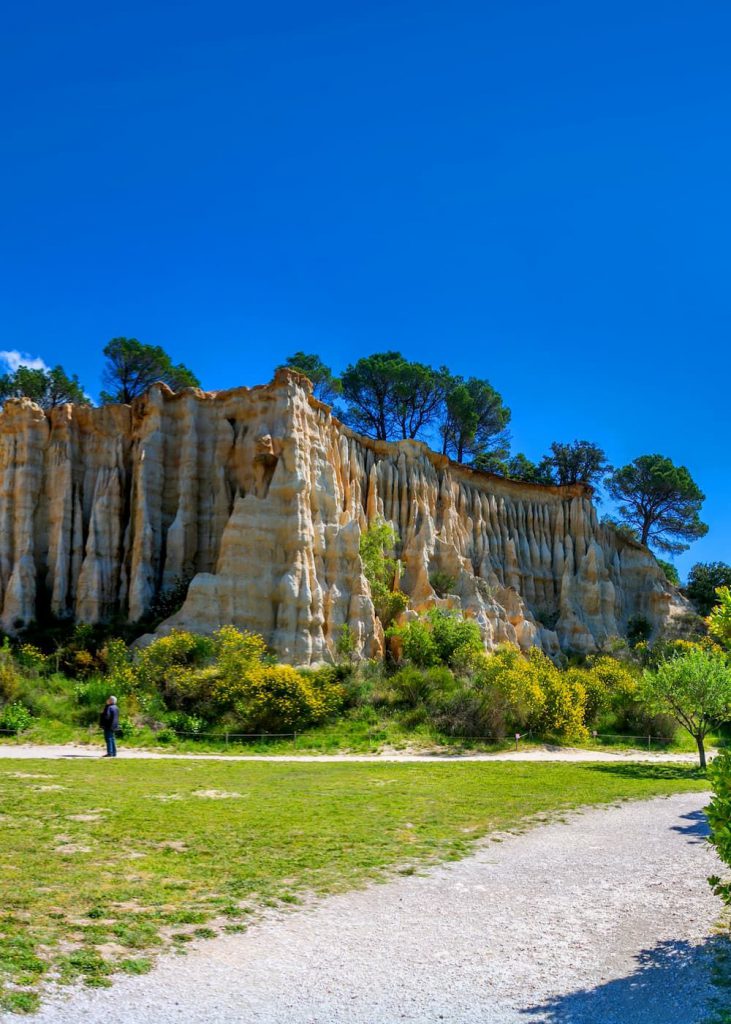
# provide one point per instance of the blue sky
(536, 193)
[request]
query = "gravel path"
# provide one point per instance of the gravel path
(605, 918)
(547, 753)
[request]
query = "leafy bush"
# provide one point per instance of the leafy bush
(381, 570)
(9, 675)
(564, 708)
(440, 638)
(719, 818)
(15, 717)
(442, 583)
(638, 629)
(277, 698)
(411, 687)
(509, 686)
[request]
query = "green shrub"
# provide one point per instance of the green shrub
(417, 643)
(15, 717)
(381, 570)
(439, 638)
(412, 687)
(719, 818)
(9, 675)
(442, 583)
(639, 629)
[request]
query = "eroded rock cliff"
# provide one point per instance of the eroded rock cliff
(258, 497)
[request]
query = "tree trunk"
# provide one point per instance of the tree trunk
(701, 751)
(646, 530)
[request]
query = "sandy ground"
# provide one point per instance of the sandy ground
(546, 753)
(606, 917)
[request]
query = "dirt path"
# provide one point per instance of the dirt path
(605, 918)
(547, 753)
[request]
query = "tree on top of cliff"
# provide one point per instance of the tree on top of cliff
(475, 420)
(517, 467)
(132, 367)
(46, 387)
(578, 462)
(660, 500)
(325, 385)
(389, 397)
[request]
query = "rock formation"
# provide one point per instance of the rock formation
(258, 497)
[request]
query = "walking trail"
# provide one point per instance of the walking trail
(606, 917)
(546, 753)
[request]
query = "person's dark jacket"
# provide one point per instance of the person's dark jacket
(109, 718)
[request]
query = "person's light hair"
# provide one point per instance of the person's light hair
(113, 699)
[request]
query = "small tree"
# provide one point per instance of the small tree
(132, 367)
(704, 579)
(380, 569)
(325, 385)
(695, 688)
(660, 500)
(475, 420)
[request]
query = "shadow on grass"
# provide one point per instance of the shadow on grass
(671, 983)
(646, 770)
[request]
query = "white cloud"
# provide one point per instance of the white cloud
(13, 359)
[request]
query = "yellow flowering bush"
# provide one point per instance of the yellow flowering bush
(278, 698)
(564, 708)
(507, 681)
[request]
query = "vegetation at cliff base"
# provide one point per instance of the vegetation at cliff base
(103, 864)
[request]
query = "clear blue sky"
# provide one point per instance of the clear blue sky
(536, 193)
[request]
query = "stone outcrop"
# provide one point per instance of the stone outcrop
(258, 498)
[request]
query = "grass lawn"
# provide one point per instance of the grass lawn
(105, 863)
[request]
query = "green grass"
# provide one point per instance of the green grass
(105, 863)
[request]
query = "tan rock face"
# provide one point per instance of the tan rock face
(258, 497)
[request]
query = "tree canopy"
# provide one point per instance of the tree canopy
(46, 387)
(577, 462)
(704, 579)
(474, 421)
(131, 367)
(660, 500)
(695, 688)
(325, 385)
(389, 397)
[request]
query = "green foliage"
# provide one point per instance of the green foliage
(719, 621)
(639, 630)
(660, 500)
(15, 717)
(345, 643)
(325, 385)
(517, 467)
(578, 462)
(719, 818)
(704, 579)
(671, 573)
(132, 367)
(46, 387)
(694, 687)
(439, 638)
(389, 397)
(474, 421)
(442, 583)
(380, 569)
(9, 675)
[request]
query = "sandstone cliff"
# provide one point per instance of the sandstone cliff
(258, 497)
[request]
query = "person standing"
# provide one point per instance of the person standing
(109, 721)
